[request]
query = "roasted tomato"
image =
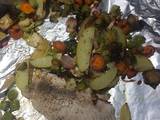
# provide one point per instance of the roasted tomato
(148, 51)
(98, 62)
(15, 32)
(59, 46)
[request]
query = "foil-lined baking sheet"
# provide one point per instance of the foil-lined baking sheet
(144, 102)
(17, 51)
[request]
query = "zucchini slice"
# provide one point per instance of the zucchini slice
(104, 80)
(43, 62)
(143, 63)
(125, 112)
(84, 48)
(23, 76)
(120, 35)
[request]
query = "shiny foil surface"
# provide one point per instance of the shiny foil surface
(143, 101)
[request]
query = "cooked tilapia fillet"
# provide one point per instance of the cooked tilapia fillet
(50, 97)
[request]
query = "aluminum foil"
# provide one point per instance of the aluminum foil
(144, 102)
(17, 51)
(54, 31)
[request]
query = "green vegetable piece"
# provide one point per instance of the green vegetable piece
(143, 63)
(12, 94)
(111, 36)
(15, 105)
(22, 79)
(120, 36)
(84, 48)
(22, 66)
(103, 20)
(43, 62)
(81, 86)
(20, 118)
(114, 82)
(104, 80)
(8, 116)
(139, 40)
(85, 10)
(25, 23)
(136, 41)
(4, 105)
(115, 11)
(125, 112)
(33, 3)
(29, 28)
(41, 45)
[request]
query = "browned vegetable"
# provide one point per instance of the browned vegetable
(148, 51)
(152, 77)
(132, 19)
(124, 25)
(122, 67)
(125, 113)
(67, 62)
(16, 32)
(59, 46)
(97, 62)
(56, 64)
(131, 73)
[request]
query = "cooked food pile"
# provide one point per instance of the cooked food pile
(100, 49)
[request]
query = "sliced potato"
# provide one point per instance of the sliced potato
(29, 28)
(25, 23)
(5, 22)
(35, 39)
(104, 80)
(143, 63)
(43, 62)
(125, 112)
(84, 48)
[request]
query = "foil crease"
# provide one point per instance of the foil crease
(144, 102)
(54, 31)
(15, 52)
